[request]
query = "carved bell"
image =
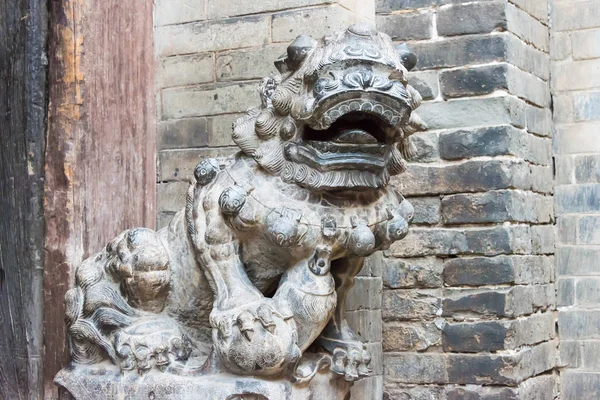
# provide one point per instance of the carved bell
(361, 241)
(232, 200)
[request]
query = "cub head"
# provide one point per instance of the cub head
(340, 114)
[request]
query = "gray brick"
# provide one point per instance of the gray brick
(406, 26)
(533, 269)
(566, 17)
(473, 81)
(560, 45)
(577, 260)
(178, 11)
(286, 26)
(484, 241)
(542, 239)
(170, 196)
(427, 210)
(394, 390)
(220, 129)
(410, 336)
(591, 355)
(579, 324)
(366, 387)
(217, 9)
(248, 63)
(410, 305)
(412, 273)
(577, 198)
(426, 144)
(587, 106)
(586, 44)
(530, 330)
(426, 83)
(577, 138)
(527, 58)
(566, 229)
(471, 18)
(185, 70)
(470, 176)
(587, 292)
(367, 324)
(182, 133)
(183, 103)
(542, 179)
(459, 51)
(527, 28)
(496, 206)
(589, 229)
(481, 393)
(478, 271)
(535, 8)
(576, 75)
(198, 37)
(543, 387)
(488, 302)
(539, 120)
(580, 385)
(178, 165)
(473, 112)
(366, 294)
(544, 297)
(570, 353)
(587, 169)
(415, 368)
(474, 337)
(565, 289)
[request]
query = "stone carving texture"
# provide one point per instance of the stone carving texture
(257, 267)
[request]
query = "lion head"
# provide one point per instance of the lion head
(340, 114)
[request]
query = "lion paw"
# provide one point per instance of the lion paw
(350, 359)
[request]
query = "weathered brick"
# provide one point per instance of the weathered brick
(415, 368)
(366, 387)
(527, 58)
(182, 133)
(587, 168)
(218, 9)
(563, 166)
(366, 294)
(527, 28)
(367, 324)
(586, 44)
(440, 241)
(535, 8)
(470, 176)
(565, 288)
(406, 26)
(499, 302)
(178, 165)
(426, 83)
(427, 210)
(589, 229)
(473, 337)
(542, 179)
(544, 297)
(577, 138)
(199, 37)
(287, 25)
(185, 70)
(577, 198)
(566, 229)
(579, 324)
(410, 305)
(248, 64)
(587, 292)
(220, 129)
(586, 106)
(182, 103)
(395, 391)
(530, 330)
(473, 112)
(471, 18)
(171, 196)
(576, 75)
(567, 17)
(577, 260)
(481, 393)
(590, 351)
(478, 271)
(543, 387)
(178, 11)
(412, 273)
(560, 45)
(410, 336)
(496, 206)
(539, 120)
(426, 145)
(533, 269)
(542, 239)
(570, 353)
(459, 51)
(580, 385)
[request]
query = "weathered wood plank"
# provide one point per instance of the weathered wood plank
(100, 158)
(23, 33)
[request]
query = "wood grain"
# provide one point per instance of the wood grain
(100, 157)
(23, 35)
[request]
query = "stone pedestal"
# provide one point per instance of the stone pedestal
(106, 382)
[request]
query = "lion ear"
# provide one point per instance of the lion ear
(407, 57)
(296, 52)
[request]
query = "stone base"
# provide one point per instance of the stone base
(105, 381)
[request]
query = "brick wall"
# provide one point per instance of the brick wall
(469, 295)
(575, 50)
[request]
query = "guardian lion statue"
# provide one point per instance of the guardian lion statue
(257, 267)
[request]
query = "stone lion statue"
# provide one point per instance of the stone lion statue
(257, 267)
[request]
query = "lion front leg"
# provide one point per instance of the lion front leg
(350, 356)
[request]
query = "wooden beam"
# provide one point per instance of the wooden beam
(100, 157)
